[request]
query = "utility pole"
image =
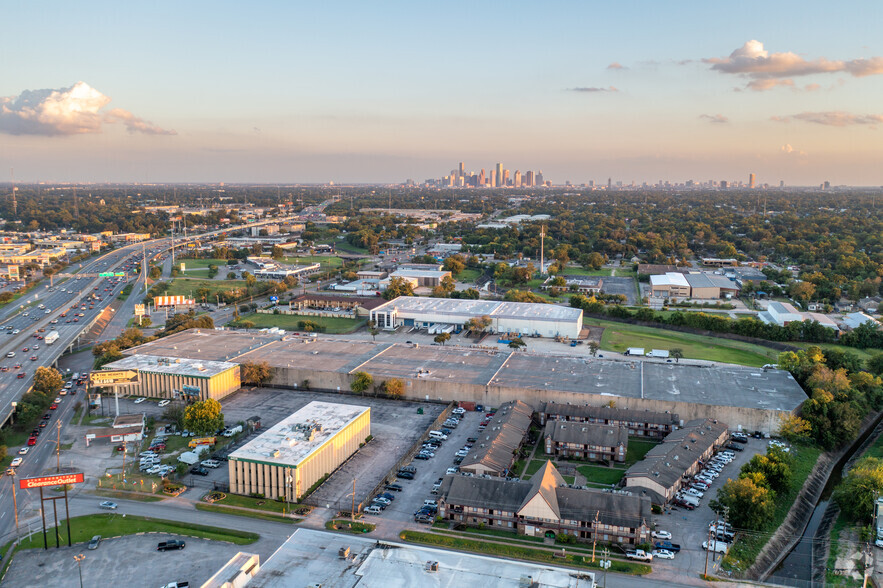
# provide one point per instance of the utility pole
(595, 534)
(542, 248)
(14, 499)
(353, 511)
(58, 446)
(708, 547)
(78, 558)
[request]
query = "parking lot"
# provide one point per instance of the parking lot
(123, 561)
(621, 285)
(415, 491)
(690, 528)
(395, 426)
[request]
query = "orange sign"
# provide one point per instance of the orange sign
(56, 480)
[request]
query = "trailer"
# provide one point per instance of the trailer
(51, 337)
(635, 351)
(660, 353)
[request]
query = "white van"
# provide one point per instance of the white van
(437, 435)
(689, 499)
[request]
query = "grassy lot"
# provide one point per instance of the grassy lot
(110, 525)
(620, 336)
(533, 467)
(203, 263)
(125, 495)
(289, 322)
(744, 551)
(264, 516)
(354, 527)
(468, 276)
(253, 503)
(517, 468)
(189, 286)
(346, 247)
(519, 552)
(637, 449)
(581, 271)
(864, 354)
(600, 474)
(326, 261)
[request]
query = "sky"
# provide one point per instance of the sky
(316, 92)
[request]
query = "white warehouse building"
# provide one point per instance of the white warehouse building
(545, 320)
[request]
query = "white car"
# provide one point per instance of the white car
(660, 535)
(57, 399)
(140, 400)
(459, 410)
(694, 492)
(16, 462)
(210, 463)
(663, 554)
(23, 451)
(163, 403)
(451, 471)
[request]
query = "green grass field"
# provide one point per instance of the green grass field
(468, 276)
(189, 286)
(581, 271)
(266, 516)
(346, 247)
(864, 354)
(620, 336)
(600, 474)
(326, 261)
(637, 449)
(203, 264)
(289, 322)
(110, 525)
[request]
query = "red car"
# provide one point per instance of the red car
(32, 440)
(53, 406)
(26, 349)
(33, 358)
(4, 369)
(76, 320)
(21, 376)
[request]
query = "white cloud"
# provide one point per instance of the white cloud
(715, 118)
(833, 118)
(616, 65)
(75, 110)
(787, 149)
(754, 61)
(593, 89)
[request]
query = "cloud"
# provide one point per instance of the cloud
(616, 65)
(833, 118)
(715, 118)
(593, 89)
(764, 85)
(753, 61)
(787, 149)
(76, 110)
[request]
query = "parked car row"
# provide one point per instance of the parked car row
(690, 495)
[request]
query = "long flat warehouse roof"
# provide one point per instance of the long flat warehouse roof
(493, 309)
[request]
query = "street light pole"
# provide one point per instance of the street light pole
(11, 472)
(78, 559)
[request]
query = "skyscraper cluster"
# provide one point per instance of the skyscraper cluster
(499, 177)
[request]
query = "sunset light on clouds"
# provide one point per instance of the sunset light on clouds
(373, 93)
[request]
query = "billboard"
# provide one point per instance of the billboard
(113, 377)
(13, 272)
(172, 301)
(140, 310)
(53, 480)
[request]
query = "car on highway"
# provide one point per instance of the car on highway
(163, 403)
(53, 406)
(23, 451)
(107, 504)
(16, 462)
(10, 354)
(32, 440)
(33, 358)
(26, 349)
(4, 369)
(21, 376)
(57, 399)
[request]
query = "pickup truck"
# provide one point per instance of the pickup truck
(639, 554)
(668, 545)
(169, 545)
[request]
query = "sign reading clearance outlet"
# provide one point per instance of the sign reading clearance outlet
(56, 480)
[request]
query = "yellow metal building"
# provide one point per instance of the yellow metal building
(291, 456)
(161, 377)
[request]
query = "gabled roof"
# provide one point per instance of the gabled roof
(586, 433)
(610, 413)
(543, 488)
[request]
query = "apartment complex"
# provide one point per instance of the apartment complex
(639, 423)
(586, 441)
(545, 506)
(494, 452)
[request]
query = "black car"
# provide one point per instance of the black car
(421, 456)
(200, 471)
(472, 439)
(446, 431)
(170, 545)
(734, 447)
(393, 487)
(405, 475)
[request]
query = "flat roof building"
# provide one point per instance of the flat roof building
(669, 285)
(176, 377)
(294, 454)
(524, 318)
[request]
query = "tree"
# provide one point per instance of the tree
(517, 343)
(677, 353)
(875, 364)
(442, 338)
(47, 380)
(155, 272)
(255, 372)
(247, 324)
(394, 388)
(775, 467)
(250, 280)
(361, 382)
(398, 287)
(593, 260)
(857, 493)
(593, 348)
(278, 252)
(373, 330)
(454, 264)
(231, 275)
(792, 428)
(750, 505)
(478, 323)
(203, 417)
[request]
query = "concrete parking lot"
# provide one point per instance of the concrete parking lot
(621, 285)
(124, 561)
(395, 426)
(409, 500)
(690, 528)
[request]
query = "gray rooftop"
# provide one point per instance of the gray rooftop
(178, 366)
(294, 438)
(491, 308)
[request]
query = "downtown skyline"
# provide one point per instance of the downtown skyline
(303, 93)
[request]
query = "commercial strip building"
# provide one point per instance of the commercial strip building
(854, 320)
(782, 313)
(586, 441)
(423, 278)
(312, 558)
(494, 452)
(174, 377)
(296, 453)
(639, 423)
(698, 285)
(545, 320)
(667, 467)
(126, 428)
(546, 506)
(360, 305)
(749, 397)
